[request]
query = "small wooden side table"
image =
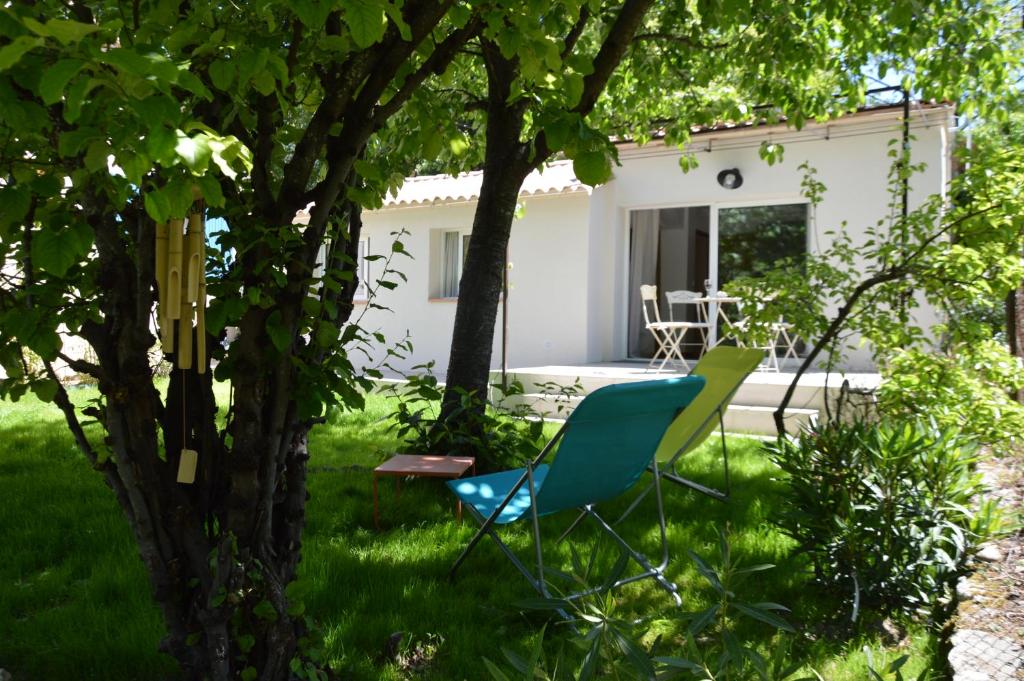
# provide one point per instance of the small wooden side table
(402, 465)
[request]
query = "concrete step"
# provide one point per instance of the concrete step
(761, 389)
(739, 418)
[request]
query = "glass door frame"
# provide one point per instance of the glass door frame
(713, 208)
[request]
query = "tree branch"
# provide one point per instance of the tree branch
(82, 366)
(573, 36)
(609, 56)
(436, 64)
(367, 73)
(613, 49)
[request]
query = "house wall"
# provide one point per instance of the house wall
(569, 252)
(851, 159)
(547, 301)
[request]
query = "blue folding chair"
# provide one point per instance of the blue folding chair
(606, 444)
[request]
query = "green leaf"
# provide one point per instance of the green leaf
(179, 193)
(66, 32)
(96, 156)
(265, 610)
(191, 82)
(764, 616)
(394, 11)
(56, 250)
(45, 390)
(590, 660)
(264, 82)
(365, 20)
(134, 166)
(326, 335)
(679, 663)
(279, 335)
(369, 170)
(495, 671)
(194, 152)
(312, 13)
(11, 54)
(222, 74)
(158, 206)
(56, 78)
(636, 655)
(161, 143)
(592, 168)
(210, 188)
(14, 204)
(75, 96)
(703, 619)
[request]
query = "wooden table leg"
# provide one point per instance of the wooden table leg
(376, 512)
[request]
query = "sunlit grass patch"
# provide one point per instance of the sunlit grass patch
(75, 600)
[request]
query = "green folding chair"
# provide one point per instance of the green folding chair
(605, 446)
(724, 368)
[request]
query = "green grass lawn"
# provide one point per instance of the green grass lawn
(74, 599)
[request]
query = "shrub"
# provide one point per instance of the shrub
(603, 644)
(967, 387)
(888, 513)
(498, 440)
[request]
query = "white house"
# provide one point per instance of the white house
(578, 255)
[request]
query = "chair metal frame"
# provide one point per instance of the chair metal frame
(669, 335)
(684, 297)
(617, 459)
(657, 572)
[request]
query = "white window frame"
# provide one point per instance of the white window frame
(442, 265)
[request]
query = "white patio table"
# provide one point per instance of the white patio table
(714, 310)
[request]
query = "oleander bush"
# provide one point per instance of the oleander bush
(889, 514)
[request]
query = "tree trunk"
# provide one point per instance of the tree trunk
(220, 552)
(1014, 319)
(505, 168)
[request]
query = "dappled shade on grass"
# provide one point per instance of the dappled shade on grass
(74, 600)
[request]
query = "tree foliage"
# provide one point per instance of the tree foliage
(643, 71)
(117, 116)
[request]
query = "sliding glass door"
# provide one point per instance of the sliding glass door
(753, 239)
(670, 249)
(686, 248)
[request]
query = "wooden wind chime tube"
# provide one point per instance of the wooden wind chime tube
(181, 302)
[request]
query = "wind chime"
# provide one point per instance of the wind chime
(181, 309)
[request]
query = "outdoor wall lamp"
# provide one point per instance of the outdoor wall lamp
(730, 178)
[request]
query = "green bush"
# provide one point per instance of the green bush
(888, 514)
(968, 387)
(605, 645)
(499, 441)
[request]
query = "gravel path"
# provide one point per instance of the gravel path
(989, 641)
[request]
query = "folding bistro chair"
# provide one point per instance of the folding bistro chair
(724, 369)
(605, 446)
(668, 335)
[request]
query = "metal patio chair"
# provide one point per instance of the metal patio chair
(669, 336)
(604, 447)
(683, 297)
